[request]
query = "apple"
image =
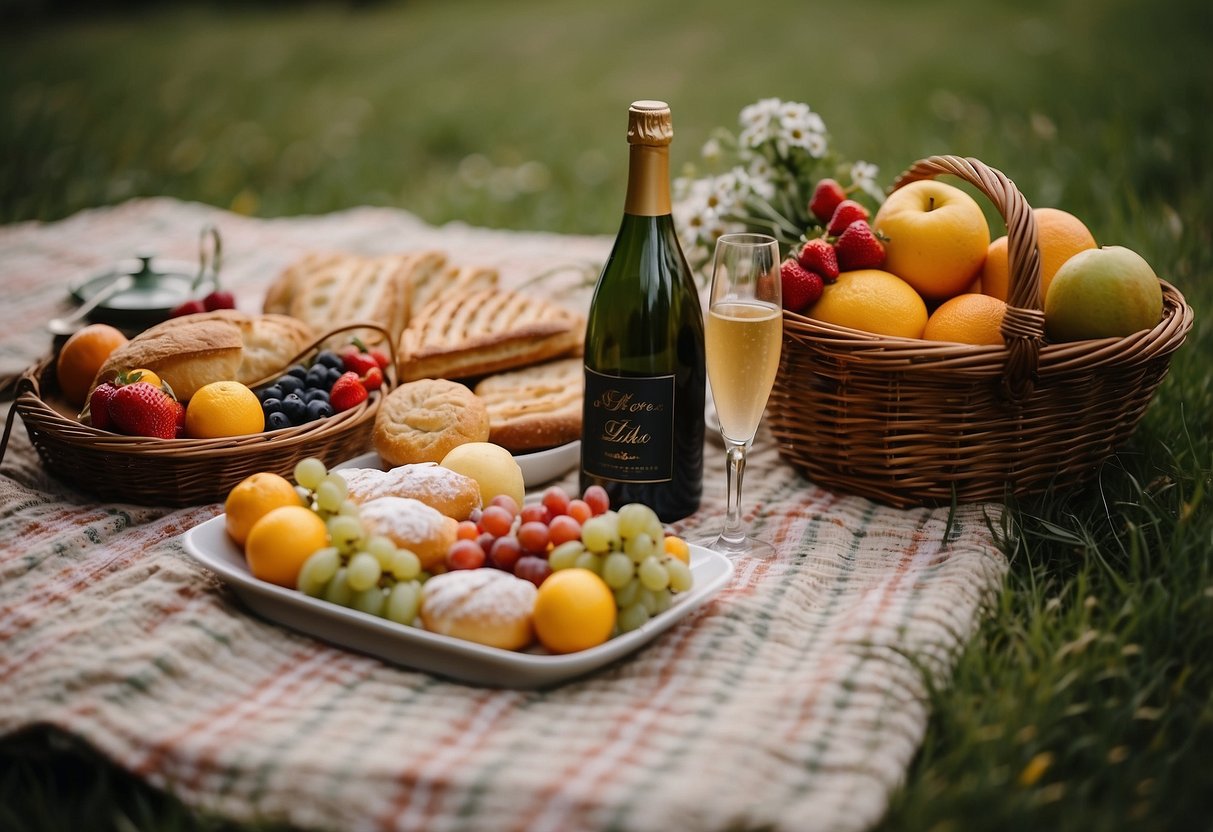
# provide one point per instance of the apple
(1107, 292)
(492, 467)
(935, 237)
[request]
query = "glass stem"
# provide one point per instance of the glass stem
(734, 530)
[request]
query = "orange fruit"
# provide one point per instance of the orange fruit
(280, 542)
(574, 610)
(223, 408)
(253, 498)
(82, 356)
(967, 319)
(145, 375)
(677, 547)
(873, 301)
(1058, 234)
(935, 237)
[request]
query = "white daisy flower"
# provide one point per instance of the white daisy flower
(864, 174)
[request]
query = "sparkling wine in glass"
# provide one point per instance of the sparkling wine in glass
(743, 335)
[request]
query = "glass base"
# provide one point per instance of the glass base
(734, 547)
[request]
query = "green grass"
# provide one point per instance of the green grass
(1084, 702)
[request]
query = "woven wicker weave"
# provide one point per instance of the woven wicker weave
(912, 422)
(178, 472)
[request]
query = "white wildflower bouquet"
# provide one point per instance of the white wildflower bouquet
(763, 179)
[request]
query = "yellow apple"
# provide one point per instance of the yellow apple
(935, 237)
(492, 467)
(1107, 292)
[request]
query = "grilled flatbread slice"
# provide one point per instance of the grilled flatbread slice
(429, 285)
(535, 407)
(485, 332)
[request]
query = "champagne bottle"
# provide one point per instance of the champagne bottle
(642, 426)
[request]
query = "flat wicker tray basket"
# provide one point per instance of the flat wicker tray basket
(178, 472)
(910, 422)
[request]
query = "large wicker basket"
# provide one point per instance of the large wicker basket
(178, 472)
(911, 422)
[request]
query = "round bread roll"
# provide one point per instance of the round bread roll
(421, 421)
(413, 525)
(440, 488)
(487, 606)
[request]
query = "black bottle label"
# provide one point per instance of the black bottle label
(628, 435)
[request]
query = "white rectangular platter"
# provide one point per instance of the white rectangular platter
(466, 661)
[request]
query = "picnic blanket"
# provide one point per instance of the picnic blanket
(794, 700)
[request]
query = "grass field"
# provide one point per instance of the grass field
(1086, 701)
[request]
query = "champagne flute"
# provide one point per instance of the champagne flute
(743, 334)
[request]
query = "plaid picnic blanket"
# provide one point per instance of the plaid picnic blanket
(795, 700)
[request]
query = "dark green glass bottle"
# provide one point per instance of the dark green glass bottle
(642, 431)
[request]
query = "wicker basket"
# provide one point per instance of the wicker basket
(911, 422)
(178, 472)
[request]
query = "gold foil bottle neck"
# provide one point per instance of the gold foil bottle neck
(649, 124)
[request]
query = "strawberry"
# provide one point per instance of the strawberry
(356, 359)
(826, 197)
(859, 248)
(380, 358)
(140, 409)
(801, 288)
(347, 392)
(180, 433)
(846, 213)
(189, 307)
(219, 299)
(373, 379)
(99, 406)
(818, 256)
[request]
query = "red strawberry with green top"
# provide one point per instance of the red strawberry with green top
(380, 358)
(859, 248)
(99, 406)
(846, 213)
(801, 288)
(826, 197)
(356, 359)
(818, 256)
(180, 419)
(140, 409)
(347, 392)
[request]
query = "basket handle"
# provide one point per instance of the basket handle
(1023, 327)
(390, 374)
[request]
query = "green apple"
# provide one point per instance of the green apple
(1107, 292)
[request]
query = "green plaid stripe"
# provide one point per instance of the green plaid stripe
(793, 701)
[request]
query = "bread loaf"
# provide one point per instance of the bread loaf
(484, 332)
(225, 345)
(535, 407)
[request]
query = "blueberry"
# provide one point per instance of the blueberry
(315, 395)
(294, 408)
(318, 409)
(271, 405)
(271, 392)
(277, 420)
(329, 359)
(334, 374)
(290, 384)
(298, 371)
(318, 378)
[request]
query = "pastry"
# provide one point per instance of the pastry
(423, 420)
(225, 345)
(411, 524)
(449, 281)
(535, 407)
(354, 289)
(487, 606)
(484, 332)
(449, 492)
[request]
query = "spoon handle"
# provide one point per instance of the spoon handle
(120, 284)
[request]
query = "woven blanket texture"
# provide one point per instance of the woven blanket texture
(793, 701)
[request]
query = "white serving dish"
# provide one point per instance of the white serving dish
(537, 468)
(209, 544)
